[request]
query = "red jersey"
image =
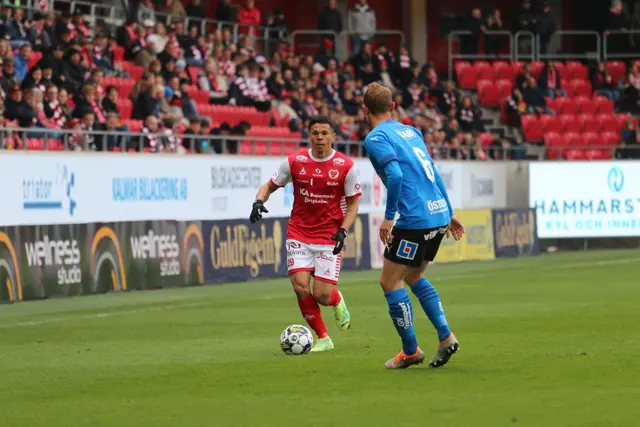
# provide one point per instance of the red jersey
(320, 188)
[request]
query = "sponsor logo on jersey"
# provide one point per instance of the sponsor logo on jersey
(317, 172)
(334, 174)
(333, 183)
(325, 257)
(303, 172)
(301, 158)
(437, 206)
(293, 245)
(338, 161)
(406, 133)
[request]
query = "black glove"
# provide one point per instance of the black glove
(339, 239)
(257, 211)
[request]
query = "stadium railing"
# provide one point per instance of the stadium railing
(454, 36)
(586, 55)
(33, 139)
(619, 55)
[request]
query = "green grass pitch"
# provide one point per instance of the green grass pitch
(547, 341)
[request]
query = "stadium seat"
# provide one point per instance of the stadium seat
(566, 106)
(135, 126)
(502, 70)
(589, 123)
(504, 88)
(585, 105)
(592, 140)
(485, 70)
(575, 154)
(574, 140)
(575, 70)
(570, 123)
(609, 123)
(552, 104)
(193, 73)
(616, 69)
(622, 121)
(487, 93)
(199, 96)
(467, 75)
(560, 68)
(554, 144)
(598, 154)
(531, 127)
(486, 139)
(516, 67)
(603, 105)
(35, 57)
(610, 138)
(550, 123)
(579, 87)
(536, 69)
(126, 108)
(118, 53)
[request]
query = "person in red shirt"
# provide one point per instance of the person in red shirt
(326, 187)
(249, 15)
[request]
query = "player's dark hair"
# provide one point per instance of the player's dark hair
(320, 120)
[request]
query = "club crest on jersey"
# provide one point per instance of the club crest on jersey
(301, 158)
(406, 133)
(303, 172)
(338, 161)
(334, 174)
(407, 250)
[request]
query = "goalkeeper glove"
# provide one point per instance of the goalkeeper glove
(339, 239)
(257, 210)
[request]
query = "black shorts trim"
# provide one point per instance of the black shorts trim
(413, 247)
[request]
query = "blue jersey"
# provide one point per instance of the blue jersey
(415, 189)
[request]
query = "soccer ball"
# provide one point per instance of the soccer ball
(296, 340)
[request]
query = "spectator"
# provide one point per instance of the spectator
(110, 101)
(13, 103)
(602, 82)
(631, 89)
(468, 116)
(195, 10)
(33, 80)
(525, 21)
(32, 116)
(176, 8)
(111, 139)
(523, 79)
(21, 60)
(88, 102)
(550, 81)
(534, 98)
(63, 97)
(617, 21)
(330, 19)
(8, 78)
(448, 99)
(629, 147)
(493, 43)
(73, 71)
(249, 17)
(152, 138)
(429, 76)
(385, 76)
(413, 94)
(362, 21)
(48, 35)
(54, 110)
(515, 108)
(546, 27)
(224, 12)
(469, 44)
(19, 29)
(278, 26)
(127, 37)
(146, 11)
(211, 81)
(193, 140)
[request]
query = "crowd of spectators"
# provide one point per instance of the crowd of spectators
(65, 89)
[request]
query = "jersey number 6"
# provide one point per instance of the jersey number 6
(426, 164)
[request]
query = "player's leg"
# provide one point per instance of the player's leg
(327, 272)
(432, 305)
(394, 269)
(300, 266)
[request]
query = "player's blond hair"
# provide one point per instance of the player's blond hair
(378, 99)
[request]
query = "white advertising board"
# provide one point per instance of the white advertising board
(475, 185)
(75, 188)
(585, 199)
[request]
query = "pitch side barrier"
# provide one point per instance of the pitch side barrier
(83, 223)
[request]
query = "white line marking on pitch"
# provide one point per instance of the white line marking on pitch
(98, 315)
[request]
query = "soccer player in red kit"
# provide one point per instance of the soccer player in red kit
(326, 187)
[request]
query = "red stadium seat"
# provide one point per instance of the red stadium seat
(603, 104)
(608, 123)
(531, 127)
(575, 70)
(118, 53)
(579, 87)
(585, 105)
(486, 139)
(517, 67)
(566, 106)
(555, 145)
(574, 140)
(467, 75)
(126, 107)
(193, 73)
(485, 70)
(610, 138)
(575, 154)
(503, 70)
(616, 69)
(134, 126)
(536, 68)
(570, 123)
(593, 140)
(504, 88)
(550, 123)
(598, 154)
(487, 93)
(623, 119)
(560, 67)
(589, 123)
(552, 104)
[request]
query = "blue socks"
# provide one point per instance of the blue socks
(430, 301)
(401, 313)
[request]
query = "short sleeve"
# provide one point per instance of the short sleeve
(352, 186)
(379, 148)
(282, 175)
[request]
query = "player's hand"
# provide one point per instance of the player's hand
(257, 211)
(455, 228)
(385, 231)
(339, 239)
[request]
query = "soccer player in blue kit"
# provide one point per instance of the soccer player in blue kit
(416, 192)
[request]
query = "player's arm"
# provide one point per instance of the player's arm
(455, 228)
(279, 179)
(352, 195)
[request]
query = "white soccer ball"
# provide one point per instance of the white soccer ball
(296, 340)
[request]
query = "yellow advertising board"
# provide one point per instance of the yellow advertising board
(477, 244)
